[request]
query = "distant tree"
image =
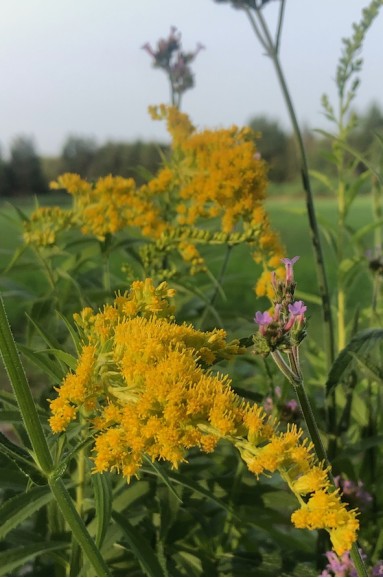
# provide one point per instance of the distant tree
(126, 160)
(23, 172)
(77, 155)
(5, 182)
(51, 167)
(275, 147)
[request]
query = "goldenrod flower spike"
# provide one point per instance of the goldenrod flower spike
(143, 383)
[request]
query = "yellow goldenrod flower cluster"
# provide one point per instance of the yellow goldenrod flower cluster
(110, 205)
(45, 224)
(217, 174)
(213, 180)
(324, 510)
(127, 339)
(321, 506)
(145, 385)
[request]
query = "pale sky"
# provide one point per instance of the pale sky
(76, 67)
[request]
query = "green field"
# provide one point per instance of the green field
(288, 216)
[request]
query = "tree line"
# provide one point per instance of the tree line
(25, 173)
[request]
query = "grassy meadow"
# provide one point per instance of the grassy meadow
(288, 217)
(23, 285)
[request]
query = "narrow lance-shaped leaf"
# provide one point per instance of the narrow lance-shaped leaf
(22, 459)
(139, 546)
(17, 509)
(361, 344)
(103, 500)
(15, 557)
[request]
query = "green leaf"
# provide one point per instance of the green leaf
(328, 231)
(369, 369)
(355, 188)
(69, 360)
(52, 344)
(48, 366)
(324, 179)
(309, 297)
(161, 473)
(15, 557)
(14, 511)
(62, 466)
(22, 459)
(102, 488)
(361, 446)
(12, 479)
(362, 231)
(190, 563)
(139, 546)
(16, 256)
(196, 487)
(126, 495)
(73, 333)
(348, 268)
(361, 344)
(10, 416)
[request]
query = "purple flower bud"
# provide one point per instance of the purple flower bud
(277, 312)
(268, 405)
(148, 49)
(292, 405)
(289, 268)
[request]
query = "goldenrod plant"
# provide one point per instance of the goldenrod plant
(178, 415)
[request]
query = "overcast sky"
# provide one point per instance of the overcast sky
(76, 67)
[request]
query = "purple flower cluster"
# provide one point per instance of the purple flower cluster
(344, 566)
(170, 57)
(354, 493)
(340, 565)
(285, 328)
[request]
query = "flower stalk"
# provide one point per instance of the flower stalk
(41, 453)
(262, 32)
(280, 335)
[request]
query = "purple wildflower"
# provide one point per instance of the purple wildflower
(263, 318)
(344, 566)
(339, 566)
(355, 493)
(290, 262)
(297, 308)
(290, 411)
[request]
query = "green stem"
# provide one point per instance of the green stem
(23, 394)
(341, 197)
(221, 275)
(77, 526)
(377, 216)
(75, 565)
(314, 229)
(322, 456)
(48, 270)
(313, 430)
(39, 444)
(105, 256)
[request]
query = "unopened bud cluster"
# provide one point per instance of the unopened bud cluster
(174, 61)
